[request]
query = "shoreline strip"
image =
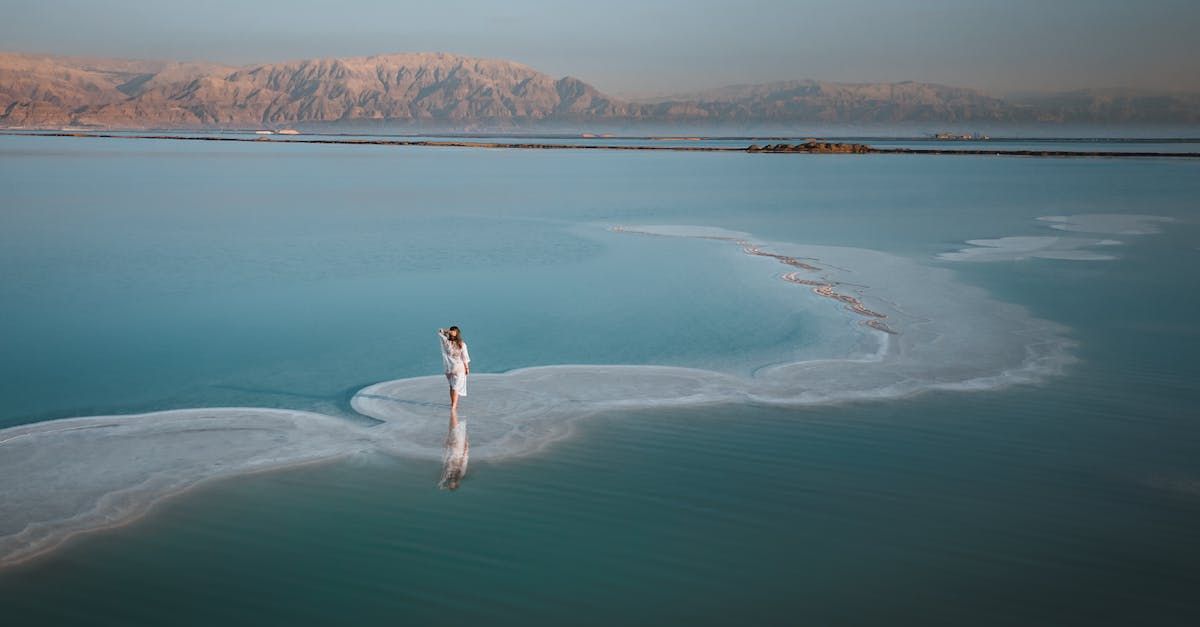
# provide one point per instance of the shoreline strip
(801, 148)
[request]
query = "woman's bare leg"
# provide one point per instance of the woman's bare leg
(453, 408)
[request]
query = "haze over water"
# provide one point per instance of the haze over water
(1034, 462)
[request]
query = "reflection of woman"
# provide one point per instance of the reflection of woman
(457, 363)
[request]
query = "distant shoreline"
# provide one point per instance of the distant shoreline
(781, 148)
(564, 135)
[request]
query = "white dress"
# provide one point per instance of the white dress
(455, 360)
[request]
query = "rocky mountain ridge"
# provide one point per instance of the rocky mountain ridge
(446, 90)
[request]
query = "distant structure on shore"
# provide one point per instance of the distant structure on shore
(960, 136)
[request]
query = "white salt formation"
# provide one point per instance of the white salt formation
(1109, 223)
(932, 332)
(1019, 248)
(1032, 247)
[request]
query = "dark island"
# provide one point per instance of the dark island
(813, 146)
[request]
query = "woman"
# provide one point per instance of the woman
(457, 365)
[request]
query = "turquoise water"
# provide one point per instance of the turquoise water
(140, 276)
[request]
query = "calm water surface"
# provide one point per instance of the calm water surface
(143, 275)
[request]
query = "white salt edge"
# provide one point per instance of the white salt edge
(60, 477)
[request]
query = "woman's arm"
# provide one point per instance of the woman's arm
(445, 343)
(466, 356)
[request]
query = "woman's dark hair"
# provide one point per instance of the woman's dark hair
(457, 338)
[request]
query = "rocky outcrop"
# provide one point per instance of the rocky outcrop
(423, 87)
(55, 91)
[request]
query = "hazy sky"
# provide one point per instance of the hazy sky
(640, 47)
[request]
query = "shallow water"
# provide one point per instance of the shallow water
(144, 276)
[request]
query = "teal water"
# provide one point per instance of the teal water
(139, 276)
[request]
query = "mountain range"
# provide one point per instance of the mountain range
(451, 91)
